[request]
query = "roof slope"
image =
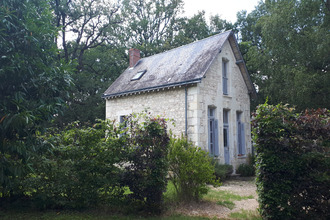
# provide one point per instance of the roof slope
(180, 66)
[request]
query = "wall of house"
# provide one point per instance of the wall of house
(209, 93)
(168, 103)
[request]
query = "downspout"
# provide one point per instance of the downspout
(186, 111)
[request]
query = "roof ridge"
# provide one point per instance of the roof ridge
(185, 45)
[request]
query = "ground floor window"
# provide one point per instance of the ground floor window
(240, 135)
(213, 131)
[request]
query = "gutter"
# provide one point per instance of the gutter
(148, 89)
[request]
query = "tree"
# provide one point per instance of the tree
(149, 25)
(87, 23)
(191, 29)
(289, 56)
(102, 65)
(87, 36)
(219, 25)
(33, 83)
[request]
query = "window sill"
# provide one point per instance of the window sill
(227, 96)
(241, 156)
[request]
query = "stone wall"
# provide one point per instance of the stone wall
(209, 93)
(167, 103)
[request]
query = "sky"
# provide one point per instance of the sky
(227, 9)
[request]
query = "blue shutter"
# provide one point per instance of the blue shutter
(239, 137)
(210, 135)
(216, 138)
(243, 138)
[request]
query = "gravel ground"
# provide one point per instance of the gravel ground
(211, 209)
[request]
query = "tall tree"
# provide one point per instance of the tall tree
(84, 24)
(290, 57)
(218, 25)
(191, 29)
(87, 37)
(149, 24)
(33, 83)
(102, 65)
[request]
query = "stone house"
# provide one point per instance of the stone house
(204, 86)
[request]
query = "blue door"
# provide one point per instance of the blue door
(226, 136)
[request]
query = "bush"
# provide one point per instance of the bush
(81, 170)
(147, 167)
(91, 166)
(190, 169)
(246, 170)
(293, 174)
(222, 171)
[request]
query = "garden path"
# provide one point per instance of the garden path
(211, 209)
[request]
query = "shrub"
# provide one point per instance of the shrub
(293, 175)
(147, 167)
(246, 170)
(190, 169)
(222, 171)
(81, 170)
(92, 166)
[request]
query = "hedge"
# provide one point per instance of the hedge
(292, 162)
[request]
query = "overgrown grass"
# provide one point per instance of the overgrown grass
(85, 215)
(226, 203)
(170, 196)
(225, 198)
(245, 214)
(222, 198)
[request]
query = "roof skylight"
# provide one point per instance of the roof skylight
(138, 75)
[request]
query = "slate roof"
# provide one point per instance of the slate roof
(184, 65)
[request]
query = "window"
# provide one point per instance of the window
(240, 135)
(226, 135)
(225, 76)
(123, 123)
(138, 75)
(213, 132)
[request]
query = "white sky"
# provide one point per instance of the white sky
(227, 9)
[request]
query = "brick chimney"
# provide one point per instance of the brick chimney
(134, 56)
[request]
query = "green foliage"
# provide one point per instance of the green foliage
(249, 168)
(229, 204)
(101, 66)
(149, 25)
(292, 162)
(81, 170)
(246, 215)
(190, 169)
(246, 170)
(222, 171)
(146, 168)
(105, 164)
(33, 83)
(287, 54)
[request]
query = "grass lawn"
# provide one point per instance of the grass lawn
(219, 197)
(88, 215)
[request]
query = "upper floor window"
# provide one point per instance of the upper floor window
(225, 76)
